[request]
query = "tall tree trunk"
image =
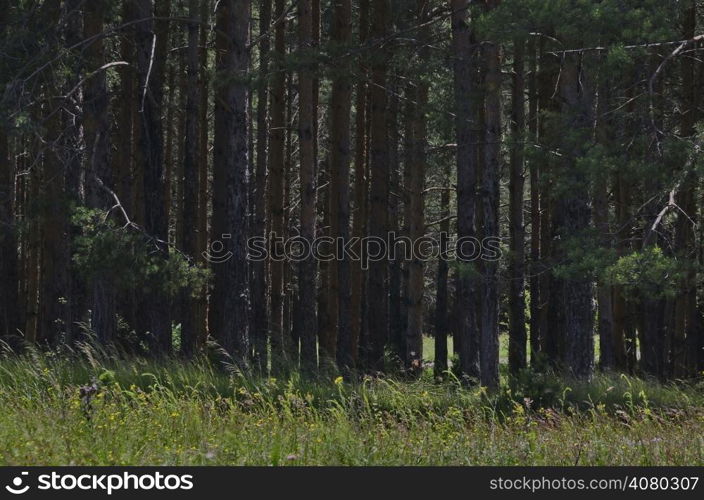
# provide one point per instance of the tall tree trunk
(341, 105)
(324, 298)
(465, 102)
(123, 157)
(414, 327)
(203, 178)
(260, 324)
(32, 243)
(535, 207)
(291, 309)
(517, 317)
(620, 326)
(99, 173)
(327, 271)
(441, 307)
(547, 77)
(74, 173)
(687, 325)
(277, 145)
(307, 267)
(654, 311)
(396, 322)
(54, 287)
(409, 161)
(9, 319)
(415, 188)
(605, 292)
(358, 277)
(174, 112)
(174, 209)
(229, 299)
(377, 297)
(572, 217)
(190, 326)
(151, 39)
(489, 352)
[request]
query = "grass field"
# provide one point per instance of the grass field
(87, 411)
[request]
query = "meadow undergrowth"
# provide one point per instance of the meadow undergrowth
(90, 408)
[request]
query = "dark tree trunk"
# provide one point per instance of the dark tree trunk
(53, 209)
(377, 297)
(151, 38)
(465, 101)
(9, 318)
(260, 324)
(414, 327)
(548, 306)
(489, 353)
(395, 309)
(277, 145)
(605, 292)
(98, 171)
(441, 306)
(341, 103)
(358, 275)
(535, 207)
(517, 316)
(203, 155)
(572, 217)
(229, 299)
(190, 326)
(307, 267)
(409, 159)
(74, 172)
(688, 325)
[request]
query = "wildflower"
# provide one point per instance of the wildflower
(339, 380)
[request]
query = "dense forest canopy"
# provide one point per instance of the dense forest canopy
(535, 164)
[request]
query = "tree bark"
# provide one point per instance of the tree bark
(396, 322)
(9, 318)
(203, 170)
(535, 208)
(151, 38)
(572, 218)
(260, 324)
(517, 316)
(687, 326)
(489, 352)
(277, 145)
(358, 275)
(340, 155)
(548, 306)
(98, 170)
(465, 102)
(53, 209)
(190, 326)
(377, 298)
(307, 266)
(229, 299)
(441, 307)
(605, 293)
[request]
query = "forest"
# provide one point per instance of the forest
(418, 213)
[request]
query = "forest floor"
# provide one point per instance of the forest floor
(84, 411)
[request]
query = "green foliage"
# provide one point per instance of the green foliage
(131, 260)
(646, 273)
